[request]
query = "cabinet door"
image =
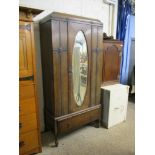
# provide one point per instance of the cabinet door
(25, 50)
(81, 68)
(112, 59)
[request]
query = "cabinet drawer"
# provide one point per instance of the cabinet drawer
(28, 141)
(26, 91)
(27, 123)
(27, 106)
(78, 120)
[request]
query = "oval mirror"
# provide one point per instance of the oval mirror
(79, 68)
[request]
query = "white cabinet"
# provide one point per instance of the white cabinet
(114, 100)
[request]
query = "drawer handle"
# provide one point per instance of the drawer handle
(117, 108)
(26, 78)
(20, 125)
(21, 143)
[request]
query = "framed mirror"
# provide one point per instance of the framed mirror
(79, 67)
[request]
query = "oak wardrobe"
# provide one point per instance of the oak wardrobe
(71, 48)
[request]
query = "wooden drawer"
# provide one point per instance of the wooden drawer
(27, 106)
(26, 91)
(28, 141)
(27, 123)
(73, 122)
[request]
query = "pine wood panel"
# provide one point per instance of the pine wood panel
(29, 128)
(28, 141)
(27, 106)
(26, 91)
(25, 49)
(27, 123)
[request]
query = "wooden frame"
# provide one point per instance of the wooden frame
(112, 55)
(28, 100)
(57, 33)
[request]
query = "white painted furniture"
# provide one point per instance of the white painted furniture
(114, 100)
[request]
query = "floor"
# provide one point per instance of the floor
(118, 140)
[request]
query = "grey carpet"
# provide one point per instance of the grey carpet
(88, 140)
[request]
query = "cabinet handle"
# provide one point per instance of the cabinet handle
(20, 125)
(19, 109)
(26, 78)
(21, 143)
(116, 108)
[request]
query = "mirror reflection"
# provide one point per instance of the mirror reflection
(80, 68)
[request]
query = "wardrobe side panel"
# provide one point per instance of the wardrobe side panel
(93, 65)
(46, 54)
(64, 67)
(99, 63)
(56, 66)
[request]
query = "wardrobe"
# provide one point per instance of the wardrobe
(72, 56)
(29, 129)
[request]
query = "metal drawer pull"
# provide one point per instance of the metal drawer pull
(21, 143)
(20, 125)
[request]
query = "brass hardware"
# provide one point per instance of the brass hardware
(27, 27)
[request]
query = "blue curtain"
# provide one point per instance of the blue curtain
(130, 33)
(125, 32)
(124, 9)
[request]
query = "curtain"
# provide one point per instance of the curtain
(125, 30)
(124, 9)
(130, 33)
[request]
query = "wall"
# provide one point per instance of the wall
(88, 8)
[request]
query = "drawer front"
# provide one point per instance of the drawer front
(118, 98)
(27, 123)
(117, 115)
(26, 92)
(27, 106)
(28, 141)
(74, 122)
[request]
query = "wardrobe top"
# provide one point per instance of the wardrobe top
(69, 17)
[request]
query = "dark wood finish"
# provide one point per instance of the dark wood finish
(111, 61)
(57, 33)
(29, 128)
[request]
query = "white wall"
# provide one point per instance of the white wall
(89, 8)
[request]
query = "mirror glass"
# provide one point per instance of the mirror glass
(79, 68)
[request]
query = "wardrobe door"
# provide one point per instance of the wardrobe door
(96, 65)
(25, 50)
(112, 59)
(79, 39)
